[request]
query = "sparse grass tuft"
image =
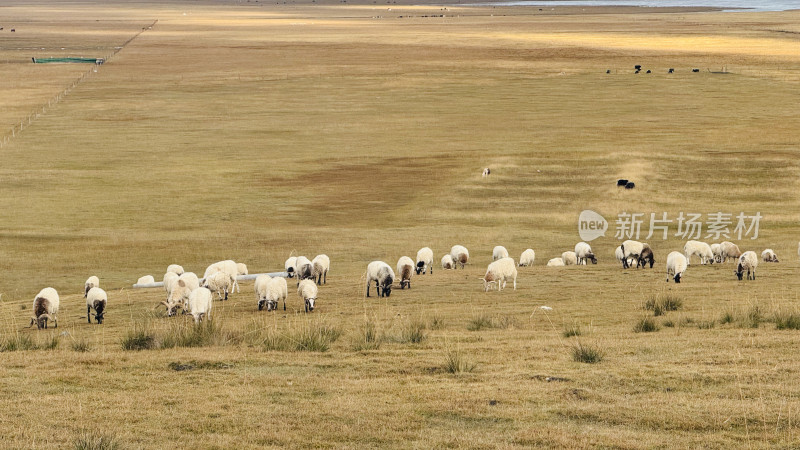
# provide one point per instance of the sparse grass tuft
(660, 304)
(81, 345)
(586, 353)
(94, 440)
(413, 332)
(17, 342)
(706, 324)
(50, 343)
(140, 337)
(571, 330)
(669, 323)
(646, 325)
(728, 316)
(785, 320)
(315, 338)
(189, 334)
(479, 322)
(437, 323)
(367, 338)
(455, 362)
(754, 317)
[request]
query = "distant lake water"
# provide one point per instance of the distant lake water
(729, 5)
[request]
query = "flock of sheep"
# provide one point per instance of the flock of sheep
(195, 296)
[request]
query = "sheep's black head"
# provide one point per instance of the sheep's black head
(739, 272)
(420, 267)
(677, 278)
(272, 305)
(387, 290)
(310, 304)
(594, 259)
(261, 304)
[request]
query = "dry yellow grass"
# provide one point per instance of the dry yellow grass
(251, 131)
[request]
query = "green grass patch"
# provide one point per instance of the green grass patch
(456, 362)
(646, 325)
(586, 353)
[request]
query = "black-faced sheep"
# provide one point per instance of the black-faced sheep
(424, 260)
(747, 261)
(96, 299)
(382, 275)
(676, 266)
(45, 308)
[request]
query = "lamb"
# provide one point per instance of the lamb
(307, 290)
(405, 267)
(269, 291)
(382, 275)
(91, 282)
(716, 249)
(96, 299)
(676, 265)
(499, 272)
(147, 279)
(241, 269)
(729, 250)
(424, 260)
(229, 267)
(176, 269)
(321, 264)
(701, 249)
(769, 256)
(747, 261)
(220, 282)
(45, 308)
(569, 258)
(290, 266)
(555, 262)
(621, 257)
(460, 255)
(583, 251)
(499, 252)
(304, 269)
(447, 262)
(527, 257)
(200, 303)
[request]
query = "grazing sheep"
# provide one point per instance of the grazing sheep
(321, 265)
(621, 183)
(716, 249)
(147, 279)
(499, 272)
(486, 172)
(630, 185)
(676, 265)
(569, 258)
(527, 257)
(176, 269)
(646, 256)
(45, 307)
(424, 260)
(200, 303)
(382, 275)
(729, 250)
(769, 256)
(170, 279)
(291, 265)
(747, 261)
(229, 267)
(191, 280)
(304, 269)
(219, 282)
(91, 282)
(621, 257)
(460, 255)
(639, 252)
(270, 291)
(405, 267)
(260, 287)
(583, 251)
(499, 252)
(307, 290)
(96, 299)
(178, 297)
(447, 262)
(701, 249)
(241, 269)
(555, 262)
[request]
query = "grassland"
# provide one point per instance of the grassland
(249, 131)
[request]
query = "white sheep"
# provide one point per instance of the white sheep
(499, 252)
(291, 266)
(241, 269)
(405, 267)
(569, 258)
(176, 269)
(527, 258)
(747, 261)
(486, 172)
(270, 291)
(382, 275)
(200, 303)
(96, 299)
(636, 251)
(178, 297)
(424, 260)
(555, 262)
(147, 279)
(307, 290)
(45, 307)
(170, 279)
(499, 272)
(729, 250)
(447, 262)
(460, 255)
(716, 249)
(229, 267)
(91, 282)
(304, 269)
(701, 249)
(769, 255)
(583, 251)
(621, 256)
(676, 265)
(321, 265)
(219, 282)
(191, 280)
